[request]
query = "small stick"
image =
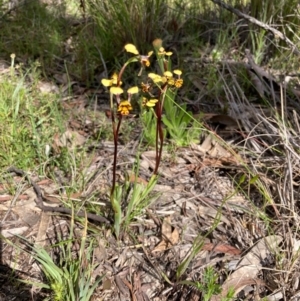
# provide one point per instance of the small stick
(40, 204)
(265, 26)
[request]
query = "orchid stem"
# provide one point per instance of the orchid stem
(159, 136)
(116, 134)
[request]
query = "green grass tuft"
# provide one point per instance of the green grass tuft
(29, 120)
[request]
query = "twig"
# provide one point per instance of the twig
(40, 204)
(276, 32)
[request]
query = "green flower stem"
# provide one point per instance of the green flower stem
(161, 141)
(116, 135)
(114, 197)
(157, 151)
(159, 137)
(115, 151)
(159, 130)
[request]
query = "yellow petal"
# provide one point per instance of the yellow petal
(116, 90)
(169, 53)
(133, 90)
(150, 53)
(131, 48)
(106, 82)
(114, 78)
(150, 104)
(179, 83)
(125, 103)
(153, 75)
(177, 72)
(171, 82)
(162, 79)
(168, 74)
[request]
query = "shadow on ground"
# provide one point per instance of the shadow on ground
(11, 287)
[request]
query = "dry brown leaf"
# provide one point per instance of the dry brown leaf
(128, 284)
(139, 290)
(149, 158)
(12, 232)
(166, 228)
(51, 198)
(222, 119)
(106, 284)
(137, 286)
(47, 87)
(206, 144)
(69, 139)
(221, 248)
(133, 178)
(100, 251)
(27, 209)
(75, 125)
(214, 149)
(174, 236)
(44, 182)
(123, 289)
(169, 237)
(42, 231)
(218, 151)
(249, 266)
(162, 246)
(76, 104)
(4, 198)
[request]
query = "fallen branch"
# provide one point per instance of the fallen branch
(277, 33)
(40, 204)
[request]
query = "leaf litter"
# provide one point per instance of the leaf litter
(198, 184)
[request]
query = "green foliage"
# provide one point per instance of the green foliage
(139, 198)
(182, 128)
(69, 279)
(34, 32)
(121, 21)
(29, 121)
(149, 126)
(116, 199)
(209, 285)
